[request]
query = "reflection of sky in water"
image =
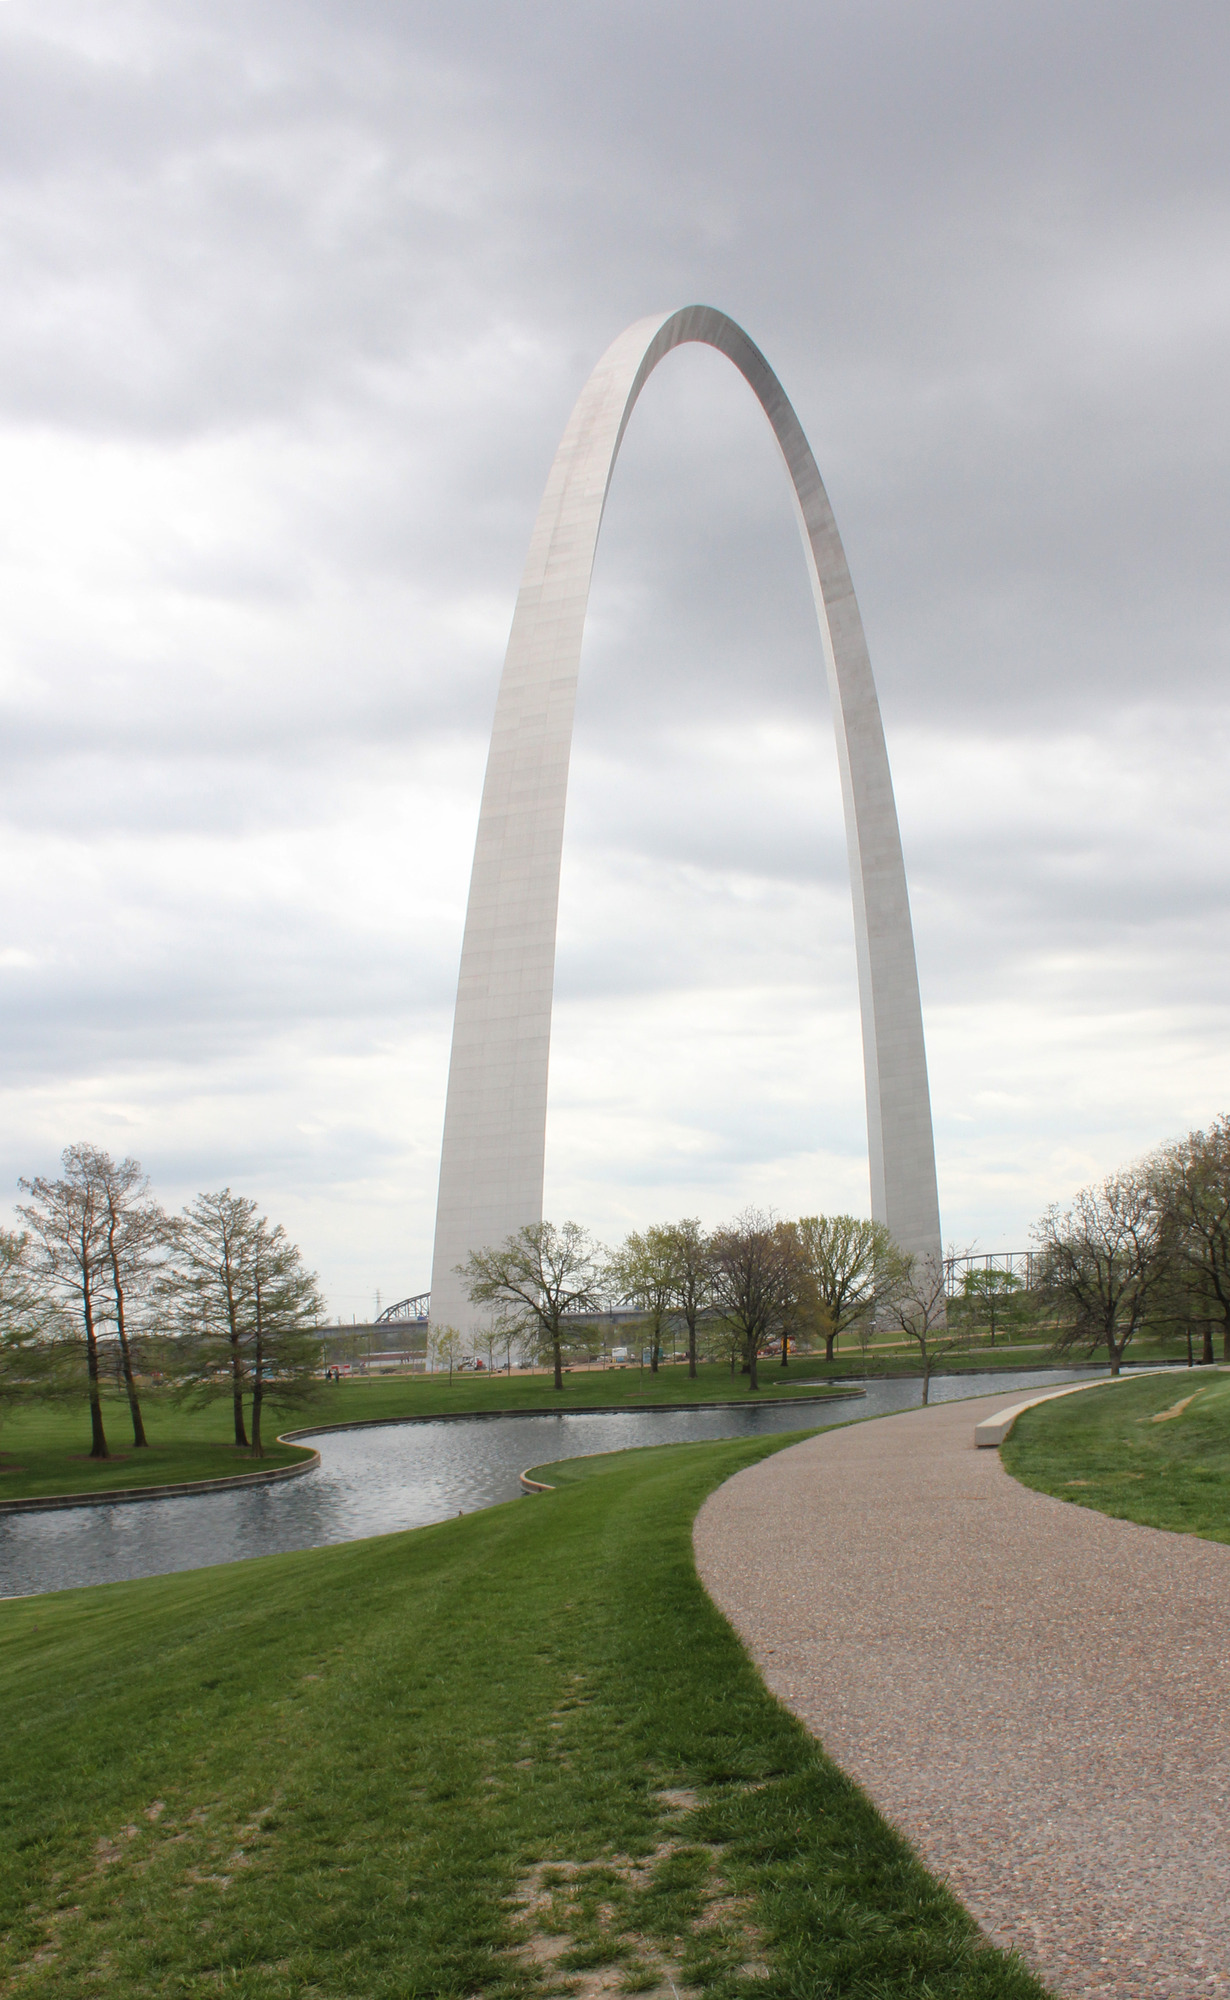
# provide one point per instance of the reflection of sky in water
(393, 1476)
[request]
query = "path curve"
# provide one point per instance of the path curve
(1035, 1694)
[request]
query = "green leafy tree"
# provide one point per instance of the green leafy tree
(692, 1293)
(447, 1347)
(842, 1262)
(533, 1282)
(645, 1272)
(995, 1299)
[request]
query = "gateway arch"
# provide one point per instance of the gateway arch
(491, 1165)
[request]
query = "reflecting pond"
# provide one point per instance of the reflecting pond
(402, 1475)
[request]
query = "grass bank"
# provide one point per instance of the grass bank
(1155, 1451)
(44, 1448)
(360, 1398)
(519, 1754)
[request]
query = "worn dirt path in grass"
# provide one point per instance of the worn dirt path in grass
(1035, 1694)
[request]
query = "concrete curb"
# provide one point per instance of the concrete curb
(123, 1496)
(993, 1431)
(529, 1485)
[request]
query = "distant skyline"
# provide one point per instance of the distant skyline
(297, 300)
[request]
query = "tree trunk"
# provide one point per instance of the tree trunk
(830, 1342)
(1189, 1347)
(559, 1363)
(1206, 1358)
(258, 1377)
(241, 1435)
(752, 1347)
(139, 1438)
(785, 1350)
(926, 1379)
(692, 1347)
(98, 1437)
(134, 1408)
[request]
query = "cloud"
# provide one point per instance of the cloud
(297, 299)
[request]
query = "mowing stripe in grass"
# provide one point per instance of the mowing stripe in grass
(352, 1772)
(1114, 1454)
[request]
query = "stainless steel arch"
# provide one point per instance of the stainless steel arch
(491, 1166)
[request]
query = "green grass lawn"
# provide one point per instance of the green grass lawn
(517, 1754)
(44, 1448)
(362, 1397)
(1155, 1451)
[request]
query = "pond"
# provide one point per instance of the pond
(388, 1476)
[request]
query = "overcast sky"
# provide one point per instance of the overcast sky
(294, 302)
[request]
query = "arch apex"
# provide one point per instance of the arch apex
(493, 1151)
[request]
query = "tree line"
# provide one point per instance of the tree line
(1147, 1248)
(755, 1284)
(101, 1287)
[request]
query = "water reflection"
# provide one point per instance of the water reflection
(396, 1476)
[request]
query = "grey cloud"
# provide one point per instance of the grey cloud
(323, 280)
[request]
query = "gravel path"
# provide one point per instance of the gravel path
(1036, 1695)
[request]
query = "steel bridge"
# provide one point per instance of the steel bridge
(415, 1308)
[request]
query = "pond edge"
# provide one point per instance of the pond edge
(122, 1496)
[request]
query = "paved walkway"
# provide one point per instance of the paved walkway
(1036, 1695)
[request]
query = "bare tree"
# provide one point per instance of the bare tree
(916, 1300)
(246, 1310)
(283, 1340)
(69, 1264)
(489, 1339)
(1105, 1259)
(137, 1232)
(754, 1264)
(32, 1346)
(1191, 1181)
(208, 1288)
(842, 1262)
(533, 1281)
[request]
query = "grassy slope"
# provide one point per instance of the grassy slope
(1108, 1450)
(328, 1772)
